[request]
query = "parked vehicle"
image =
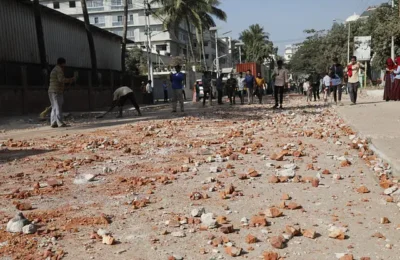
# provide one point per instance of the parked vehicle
(201, 90)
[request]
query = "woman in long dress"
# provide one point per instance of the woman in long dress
(389, 79)
(395, 93)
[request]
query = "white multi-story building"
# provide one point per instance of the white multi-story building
(290, 50)
(108, 15)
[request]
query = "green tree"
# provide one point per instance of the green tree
(257, 45)
(197, 13)
(317, 51)
(135, 61)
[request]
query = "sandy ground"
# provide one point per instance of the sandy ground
(150, 173)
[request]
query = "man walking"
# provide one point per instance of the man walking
(120, 96)
(260, 86)
(280, 77)
(241, 81)
(177, 88)
(315, 85)
(149, 91)
(56, 93)
(353, 71)
(336, 75)
(165, 88)
(207, 89)
(250, 82)
(231, 85)
(220, 85)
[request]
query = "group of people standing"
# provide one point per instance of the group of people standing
(255, 86)
(335, 78)
(392, 80)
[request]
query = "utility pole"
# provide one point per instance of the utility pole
(148, 34)
(348, 44)
(216, 53)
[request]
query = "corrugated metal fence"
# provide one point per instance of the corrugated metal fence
(64, 37)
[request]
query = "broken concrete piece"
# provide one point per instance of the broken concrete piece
(84, 178)
(29, 229)
(178, 234)
(290, 173)
(198, 212)
(102, 232)
(16, 224)
(208, 220)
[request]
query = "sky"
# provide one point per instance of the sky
(285, 20)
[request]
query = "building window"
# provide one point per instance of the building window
(56, 5)
(130, 19)
(95, 5)
(205, 44)
(207, 56)
(98, 20)
(117, 20)
(72, 4)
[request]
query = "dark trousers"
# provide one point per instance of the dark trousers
(206, 92)
(278, 91)
(165, 95)
(337, 91)
(315, 90)
(121, 102)
(353, 89)
(184, 94)
(231, 95)
(259, 93)
(219, 96)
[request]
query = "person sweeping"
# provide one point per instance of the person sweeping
(120, 96)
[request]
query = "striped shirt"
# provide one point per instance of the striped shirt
(57, 80)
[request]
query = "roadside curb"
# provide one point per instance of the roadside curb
(394, 166)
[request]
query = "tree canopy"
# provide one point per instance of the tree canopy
(257, 45)
(320, 47)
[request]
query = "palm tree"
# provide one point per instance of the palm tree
(197, 13)
(92, 48)
(257, 45)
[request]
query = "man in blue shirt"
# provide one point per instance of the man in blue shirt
(250, 82)
(177, 87)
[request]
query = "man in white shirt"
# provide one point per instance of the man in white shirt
(241, 81)
(353, 70)
(326, 84)
(280, 77)
(149, 91)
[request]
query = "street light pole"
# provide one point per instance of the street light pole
(216, 53)
(149, 49)
(240, 44)
(348, 44)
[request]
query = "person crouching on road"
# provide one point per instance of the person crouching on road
(56, 93)
(177, 88)
(120, 96)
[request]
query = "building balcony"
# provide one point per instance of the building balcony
(96, 9)
(117, 23)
